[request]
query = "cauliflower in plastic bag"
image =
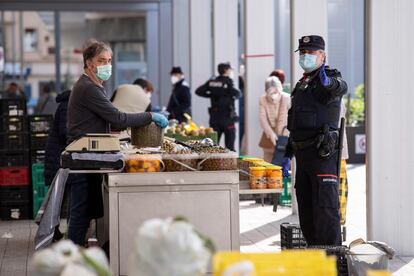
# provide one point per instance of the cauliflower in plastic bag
(169, 247)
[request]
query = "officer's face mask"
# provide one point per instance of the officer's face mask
(174, 79)
(231, 75)
(148, 94)
(308, 62)
(104, 72)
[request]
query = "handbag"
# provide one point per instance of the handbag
(280, 149)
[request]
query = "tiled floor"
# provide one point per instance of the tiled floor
(259, 227)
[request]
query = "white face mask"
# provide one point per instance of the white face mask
(231, 75)
(174, 79)
(148, 95)
(274, 97)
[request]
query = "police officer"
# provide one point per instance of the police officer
(222, 94)
(313, 125)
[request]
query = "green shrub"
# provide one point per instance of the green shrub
(356, 107)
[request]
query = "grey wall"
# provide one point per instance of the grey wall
(346, 39)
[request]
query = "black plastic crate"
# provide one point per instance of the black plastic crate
(10, 158)
(15, 210)
(13, 141)
(15, 193)
(12, 107)
(37, 156)
(291, 236)
(38, 141)
(340, 253)
(40, 123)
(11, 124)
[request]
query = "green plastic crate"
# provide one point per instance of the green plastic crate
(285, 198)
(36, 205)
(38, 185)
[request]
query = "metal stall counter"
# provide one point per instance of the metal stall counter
(208, 199)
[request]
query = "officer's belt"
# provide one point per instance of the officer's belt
(301, 145)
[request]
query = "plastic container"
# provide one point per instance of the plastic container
(180, 162)
(285, 198)
(139, 163)
(38, 181)
(40, 123)
(340, 254)
(274, 177)
(9, 158)
(364, 257)
(10, 124)
(291, 236)
(147, 136)
(38, 141)
(14, 176)
(15, 210)
(12, 107)
(243, 164)
(257, 178)
(37, 156)
(13, 141)
(218, 161)
(298, 262)
(14, 193)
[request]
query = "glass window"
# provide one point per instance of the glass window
(30, 40)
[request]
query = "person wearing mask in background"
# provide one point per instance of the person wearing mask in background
(180, 99)
(13, 92)
(280, 74)
(313, 124)
(222, 94)
(133, 98)
(90, 111)
(273, 111)
(47, 101)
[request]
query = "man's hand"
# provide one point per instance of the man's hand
(285, 166)
(323, 77)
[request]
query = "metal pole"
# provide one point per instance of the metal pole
(57, 51)
(3, 43)
(21, 33)
(13, 46)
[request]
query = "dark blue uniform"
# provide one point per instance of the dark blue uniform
(180, 101)
(313, 125)
(222, 94)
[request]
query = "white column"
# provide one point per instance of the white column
(225, 41)
(181, 36)
(307, 18)
(390, 132)
(201, 56)
(259, 55)
(165, 54)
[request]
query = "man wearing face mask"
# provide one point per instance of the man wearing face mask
(313, 124)
(180, 99)
(222, 94)
(90, 111)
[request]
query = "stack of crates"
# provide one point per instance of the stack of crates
(39, 127)
(14, 160)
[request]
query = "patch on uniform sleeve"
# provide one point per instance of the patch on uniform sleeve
(215, 84)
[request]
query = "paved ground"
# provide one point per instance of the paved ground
(259, 227)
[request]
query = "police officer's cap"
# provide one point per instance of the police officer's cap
(222, 67)
(311, 42)
(176, 70)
